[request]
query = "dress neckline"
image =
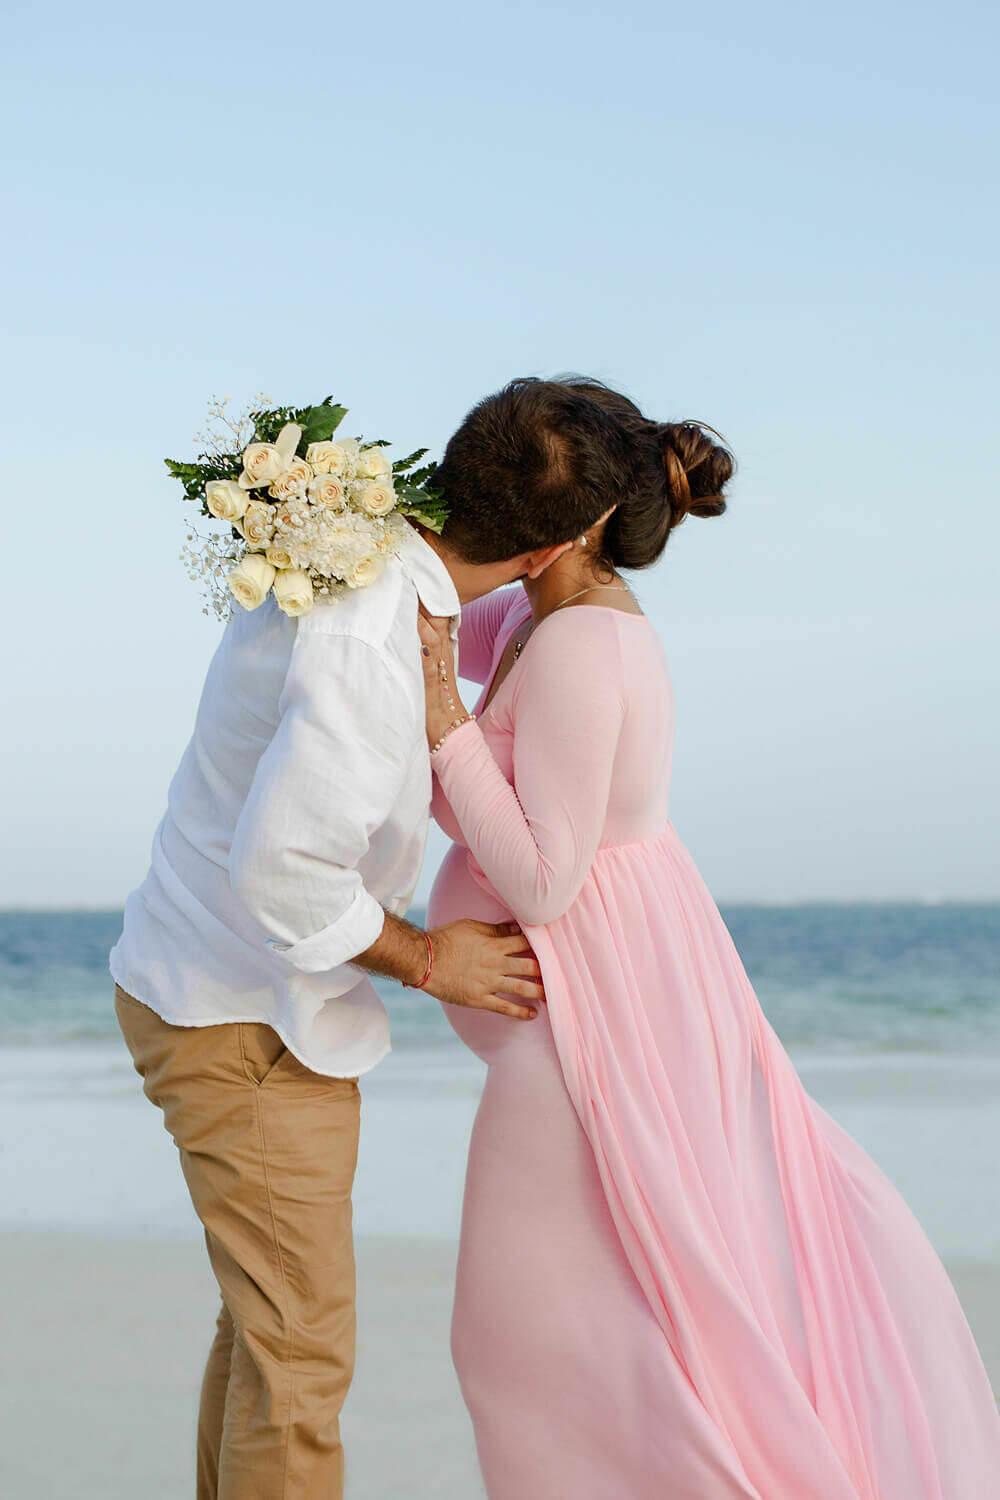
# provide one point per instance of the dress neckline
(500, 646)
(504, 640)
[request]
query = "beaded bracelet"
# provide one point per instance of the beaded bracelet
(468, 719)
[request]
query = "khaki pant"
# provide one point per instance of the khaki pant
(268, 1149)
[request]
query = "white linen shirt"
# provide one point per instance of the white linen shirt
(296, 818)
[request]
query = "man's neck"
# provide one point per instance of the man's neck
(569, 574)
(471, 580)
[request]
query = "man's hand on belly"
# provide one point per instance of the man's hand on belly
(475, 964)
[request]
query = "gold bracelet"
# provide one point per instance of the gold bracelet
(469, 719)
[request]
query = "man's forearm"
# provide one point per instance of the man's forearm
(400, 950)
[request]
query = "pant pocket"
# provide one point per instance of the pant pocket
(261, 1049)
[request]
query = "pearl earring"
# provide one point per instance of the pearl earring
(583, 541)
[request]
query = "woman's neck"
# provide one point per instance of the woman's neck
(570, 574)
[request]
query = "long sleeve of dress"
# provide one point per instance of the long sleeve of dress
(481, 623)
(536, 840)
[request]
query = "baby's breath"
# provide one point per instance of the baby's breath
(207, 561)
(225, 432)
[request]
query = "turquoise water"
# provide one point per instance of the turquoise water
(872, 977)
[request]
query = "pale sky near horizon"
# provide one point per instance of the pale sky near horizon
(780, 219)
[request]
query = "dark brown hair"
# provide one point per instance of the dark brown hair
(532, 466)
(683, 471)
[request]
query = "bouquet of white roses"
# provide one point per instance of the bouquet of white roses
(309, 514)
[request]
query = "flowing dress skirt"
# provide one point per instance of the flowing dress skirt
(680, 1278)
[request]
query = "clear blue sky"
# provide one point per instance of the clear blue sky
(779, 218)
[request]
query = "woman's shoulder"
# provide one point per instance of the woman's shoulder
(592, 650)
(586, 626)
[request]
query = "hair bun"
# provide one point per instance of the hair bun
(696, 469)
(683, 468)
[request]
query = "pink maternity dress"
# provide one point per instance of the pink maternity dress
(679, 1278)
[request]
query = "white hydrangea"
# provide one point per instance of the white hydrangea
(334, 543)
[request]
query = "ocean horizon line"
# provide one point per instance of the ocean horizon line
(736, 903)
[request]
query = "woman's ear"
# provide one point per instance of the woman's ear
(535, 563)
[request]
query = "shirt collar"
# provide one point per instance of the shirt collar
(428, 575)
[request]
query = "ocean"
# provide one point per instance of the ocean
(891, 1014)
(836, 977)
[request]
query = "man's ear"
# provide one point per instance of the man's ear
(535, 563)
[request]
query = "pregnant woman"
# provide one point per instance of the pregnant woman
(679, 1278)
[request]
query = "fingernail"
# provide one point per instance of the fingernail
(426, 650)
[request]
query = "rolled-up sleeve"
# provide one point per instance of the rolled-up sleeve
(328, 779)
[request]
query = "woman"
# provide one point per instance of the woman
(679, 1278)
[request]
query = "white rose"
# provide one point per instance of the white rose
(373, 464)
(327, 457)
(262, 463)
(250, 580)
(287, 441)
(376, 498)
(293, 592)
(327, 492)
(294, 478)
(257, 523)
(363, 573)
(225, 499)
(278, 555)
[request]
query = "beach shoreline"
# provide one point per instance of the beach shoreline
(110, 1303)
(84, 1151)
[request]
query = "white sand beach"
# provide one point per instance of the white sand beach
(103, 1340)
(109, 1302)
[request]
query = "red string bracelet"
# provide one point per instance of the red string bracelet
(430, 965)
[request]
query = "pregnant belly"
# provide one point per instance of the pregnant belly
(456, 894)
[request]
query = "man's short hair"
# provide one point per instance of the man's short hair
(530, 467)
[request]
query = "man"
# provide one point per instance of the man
(281, 871)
